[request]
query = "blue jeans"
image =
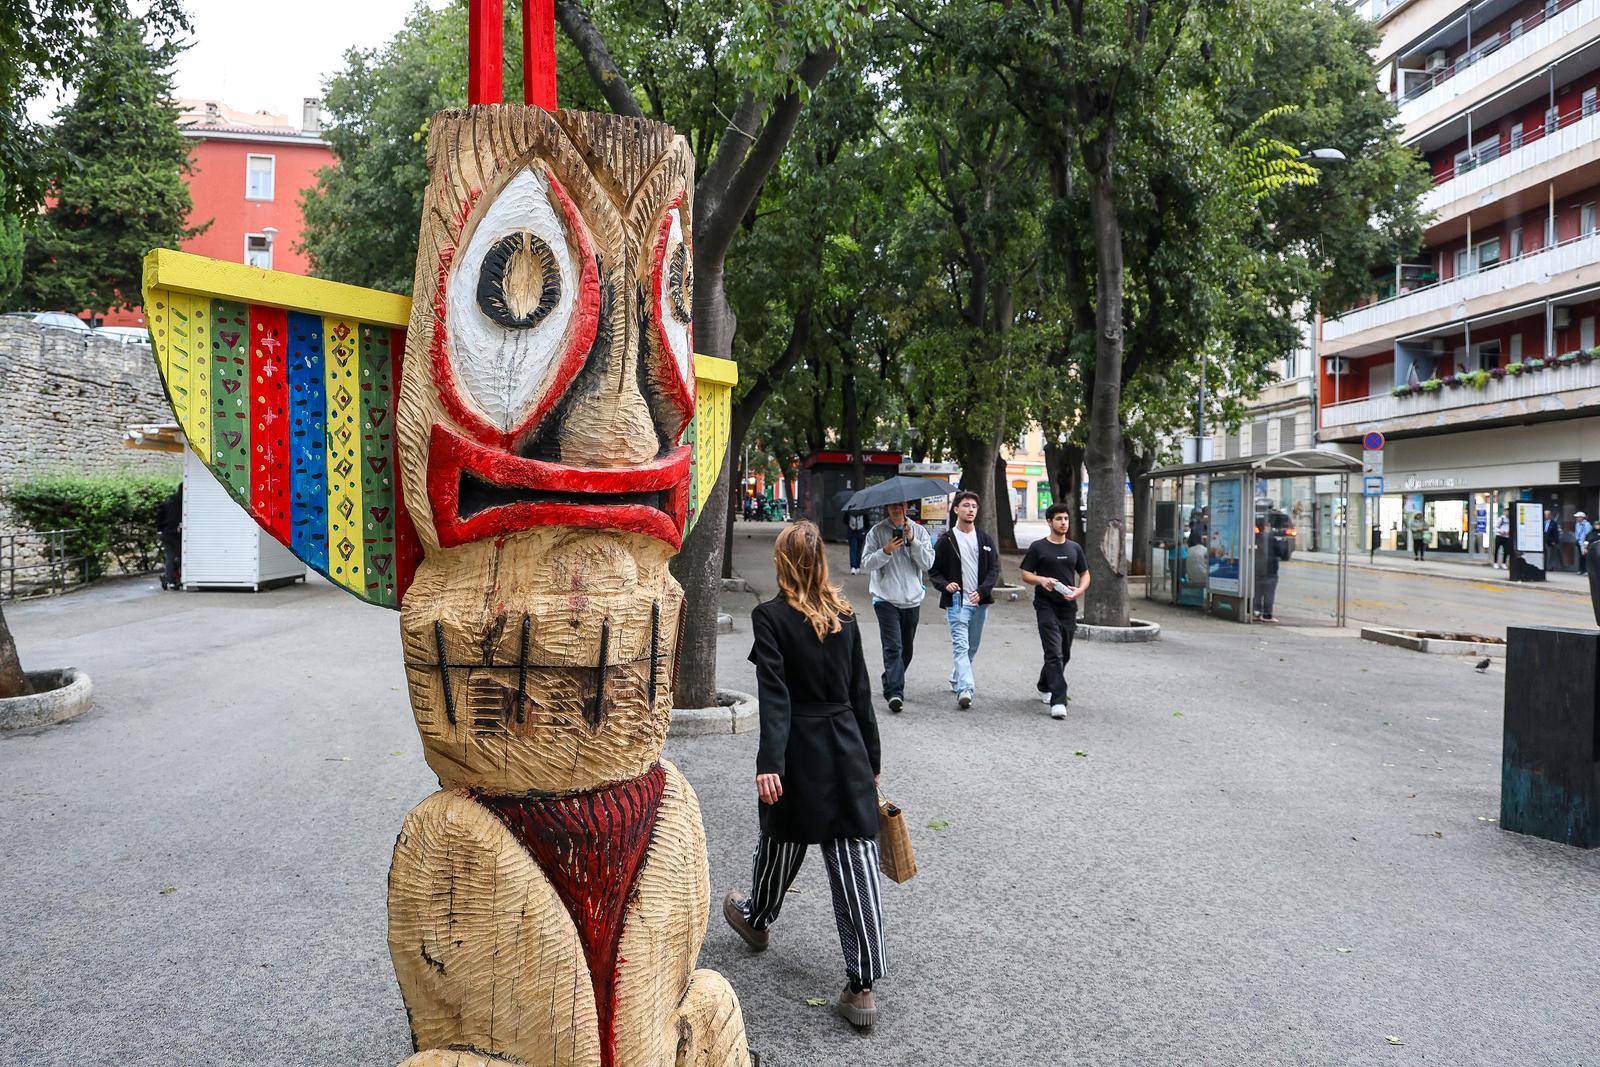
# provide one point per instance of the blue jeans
(858, 541)
(966, 633)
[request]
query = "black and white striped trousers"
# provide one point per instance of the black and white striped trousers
(857, 906)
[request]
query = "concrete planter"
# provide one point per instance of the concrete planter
(1138, 631)
(734, 714)
(1437, 642)
(63, 695)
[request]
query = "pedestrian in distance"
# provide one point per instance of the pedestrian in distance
(1502, 539)
(1580, 530)
(966, 568)
(169, 524)
(855, 524)
(1058, 570)
(817, 765)
(1419, 536)
(898, 555)
(1552, 541)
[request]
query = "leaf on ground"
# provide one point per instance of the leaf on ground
(1392, 1039)
(1177, 715)
(394, 753)
(169, 890)
(818, 1002)
(938, 824)
(1079, 752)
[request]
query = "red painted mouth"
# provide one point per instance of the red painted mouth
(479, 492)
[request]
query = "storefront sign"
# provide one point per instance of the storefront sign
(1414, 482)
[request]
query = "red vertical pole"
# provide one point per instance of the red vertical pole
(485, 50)
(539, 53)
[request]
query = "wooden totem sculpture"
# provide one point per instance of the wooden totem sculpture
(542, 463)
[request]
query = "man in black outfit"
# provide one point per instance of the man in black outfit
(1059, 572)
(169, 524)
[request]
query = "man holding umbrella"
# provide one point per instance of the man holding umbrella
(898, 554)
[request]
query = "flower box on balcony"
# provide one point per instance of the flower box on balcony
(1534, 364)
(1514, 369)
(1452, 380)
(1498, 373)
(1431, 385)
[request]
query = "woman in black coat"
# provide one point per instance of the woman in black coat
(817, 766)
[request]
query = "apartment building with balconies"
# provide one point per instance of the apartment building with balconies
(1472, 356)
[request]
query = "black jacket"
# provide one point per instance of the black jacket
(818, 730)
(947, 567)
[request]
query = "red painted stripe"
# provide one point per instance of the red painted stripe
(407, 546)
(539, 53)
(485, 48)
(268, 382)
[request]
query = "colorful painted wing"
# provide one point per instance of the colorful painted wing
(285, 386)
(708, 431)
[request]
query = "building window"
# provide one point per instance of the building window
(1588, 102)
(1516, 348)
(1516, 28)
(1587, 219)
(1258, 437)
(1460, 265)
(1488, 253)
(1485, 356)
(258, 177)
(1552, 117)
(258, 251)
(1586, 332)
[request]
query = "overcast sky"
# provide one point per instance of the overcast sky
(268, 56)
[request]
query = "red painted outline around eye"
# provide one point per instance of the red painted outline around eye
(585, 323)
(682, 386)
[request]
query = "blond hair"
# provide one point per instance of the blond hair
(803, 578)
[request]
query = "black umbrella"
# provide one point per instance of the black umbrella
(897, 490)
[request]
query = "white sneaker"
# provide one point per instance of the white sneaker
(1044, 698)
(1058, 711)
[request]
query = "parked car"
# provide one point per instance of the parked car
(58, 320)
(128, 335)
(1282, 529)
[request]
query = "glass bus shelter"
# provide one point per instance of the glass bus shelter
(1227, 533)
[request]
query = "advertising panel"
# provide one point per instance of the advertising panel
(1227, 536)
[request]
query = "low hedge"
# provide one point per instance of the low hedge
(113, 514)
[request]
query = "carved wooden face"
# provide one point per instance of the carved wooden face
(550, 369)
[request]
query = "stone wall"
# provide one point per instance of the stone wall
(65, 399)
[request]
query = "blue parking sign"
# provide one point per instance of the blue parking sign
(1373, 485)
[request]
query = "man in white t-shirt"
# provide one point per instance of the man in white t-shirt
(966, 568)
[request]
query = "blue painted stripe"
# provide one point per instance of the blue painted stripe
(308, 438)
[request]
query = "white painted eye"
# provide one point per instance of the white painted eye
(513, 296)
(674, 288)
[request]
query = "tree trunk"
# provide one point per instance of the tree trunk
(1005, 534)
(13, 683)
(977, 472)
(1108, 597)
(1139, 467)
(852, 421)
(1064, 466)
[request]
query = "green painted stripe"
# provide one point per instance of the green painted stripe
(230, 397)
(378, 472)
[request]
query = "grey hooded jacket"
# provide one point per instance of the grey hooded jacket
(897, 577)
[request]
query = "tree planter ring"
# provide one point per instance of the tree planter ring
(734, 714)
(65, 694)
(1138, 631)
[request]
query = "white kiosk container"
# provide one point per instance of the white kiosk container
(223, 548)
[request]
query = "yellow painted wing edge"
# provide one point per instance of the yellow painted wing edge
(713, 421)
(181, 272)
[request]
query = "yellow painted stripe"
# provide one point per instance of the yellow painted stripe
(714, 381)
(180, 272)
(341, 347)
(157, 317)
(718, 371)
(198, 424)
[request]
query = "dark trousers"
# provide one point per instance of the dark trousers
(897, 631)
(1057, 624)
(1266, 592)
(1419, 547)
(172, 550)
(1502, 548)
(858, 541)
(857, 907)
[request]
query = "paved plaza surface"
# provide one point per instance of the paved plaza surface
(1245, 845)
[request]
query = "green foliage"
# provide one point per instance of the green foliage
(11, 247)
(1514, 369)
(43, 41)
(113, 514)
(1432, 385)
(124, 193)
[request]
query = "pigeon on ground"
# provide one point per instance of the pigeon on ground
(1483, 665)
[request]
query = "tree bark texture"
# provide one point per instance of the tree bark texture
(1005, 534)
(1103, 541)
(977, 469)
(13, 683)
(1139, 467)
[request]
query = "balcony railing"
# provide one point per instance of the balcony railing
(1536, 266)
(1495, 53)
(1373, 412)
(1496, 162)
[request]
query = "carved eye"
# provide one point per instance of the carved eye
(522, 303)
(519, 283)
(671, 308)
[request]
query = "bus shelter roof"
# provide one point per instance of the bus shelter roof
(1298, 462)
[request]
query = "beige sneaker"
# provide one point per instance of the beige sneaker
(858, 1008)
(756, 939)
